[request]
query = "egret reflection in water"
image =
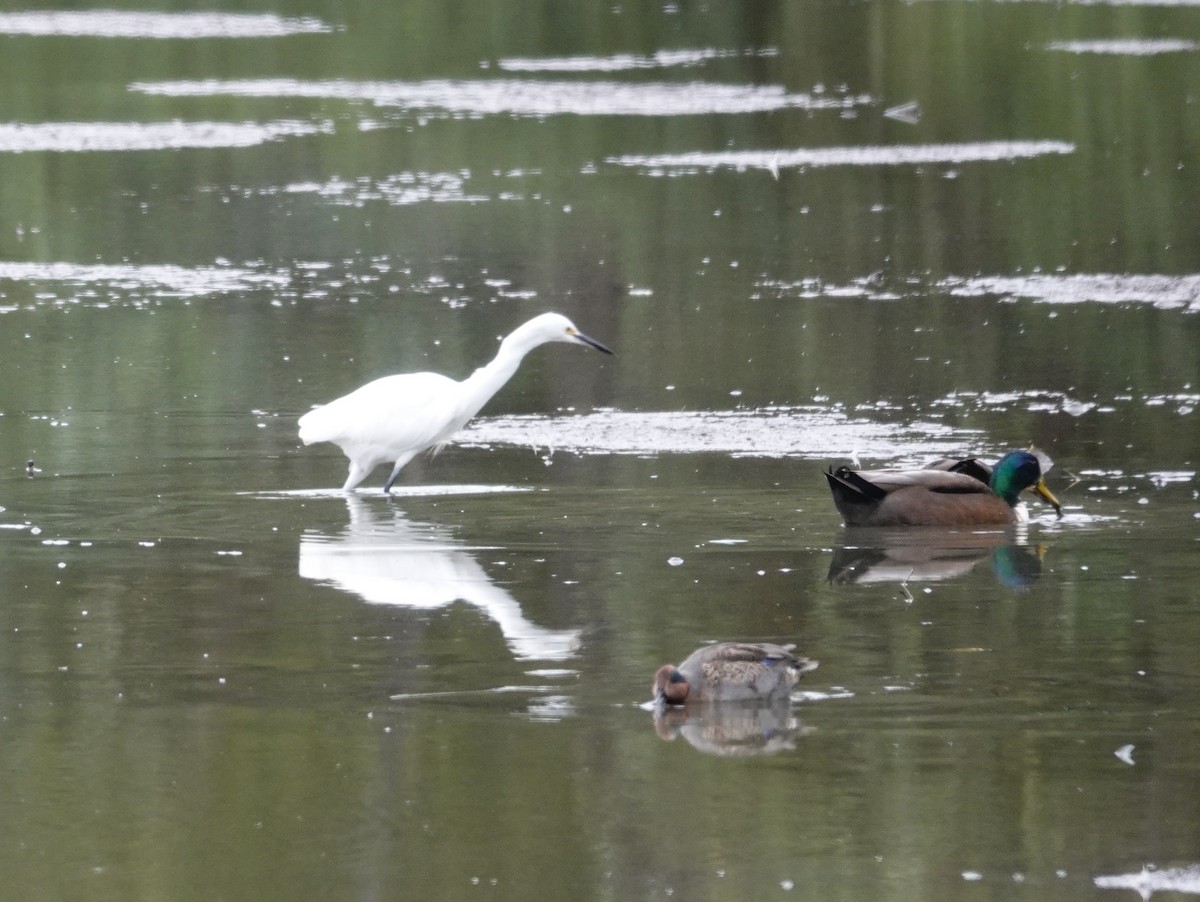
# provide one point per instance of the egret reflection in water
(386, 559)
(901, 556)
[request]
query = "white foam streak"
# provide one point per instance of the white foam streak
(63, 137)
(171, 281)
(519, 97)
(1150, 881)
(402, 189)
(625, 62)
(855, 155)
(111, 23)
(814, 432)
(1126, 46)
(1165, 291)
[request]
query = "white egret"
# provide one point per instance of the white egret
(397, 417)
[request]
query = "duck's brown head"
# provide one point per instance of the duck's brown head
(669, 687)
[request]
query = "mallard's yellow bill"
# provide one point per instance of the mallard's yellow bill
(1042, 491)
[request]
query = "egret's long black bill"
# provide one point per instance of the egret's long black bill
(591, 341)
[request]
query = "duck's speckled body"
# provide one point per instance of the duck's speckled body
(732, 672)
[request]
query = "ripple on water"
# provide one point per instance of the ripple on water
(519, 97)
(69, 137)
(1162, 478)
(111, 23)
(810, 432)
(551, 708)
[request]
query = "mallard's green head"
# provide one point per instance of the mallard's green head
(1020, 470)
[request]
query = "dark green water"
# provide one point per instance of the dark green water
(221, 679)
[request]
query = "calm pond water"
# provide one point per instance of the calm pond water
(812, 233)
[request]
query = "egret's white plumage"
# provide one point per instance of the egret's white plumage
(397, 417)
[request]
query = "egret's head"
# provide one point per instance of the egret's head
(575, 335)
(556, 327)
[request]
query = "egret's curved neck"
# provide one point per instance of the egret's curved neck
(490, 378)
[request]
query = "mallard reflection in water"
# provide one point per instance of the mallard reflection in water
(875, 558)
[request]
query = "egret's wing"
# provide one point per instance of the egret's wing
(406, 411)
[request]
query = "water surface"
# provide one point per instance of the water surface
(814, 234)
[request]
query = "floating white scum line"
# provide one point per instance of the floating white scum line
(111, 23)
(77, 137)
(814, 432)
(851, 155)
(520, 97)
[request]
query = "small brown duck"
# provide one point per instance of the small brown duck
(963, 492)
(731, 672)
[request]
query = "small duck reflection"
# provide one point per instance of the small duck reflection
(731, 730)
(878, 556)
(386, 559)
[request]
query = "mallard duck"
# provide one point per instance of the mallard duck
(731, 672)
(950, 492)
